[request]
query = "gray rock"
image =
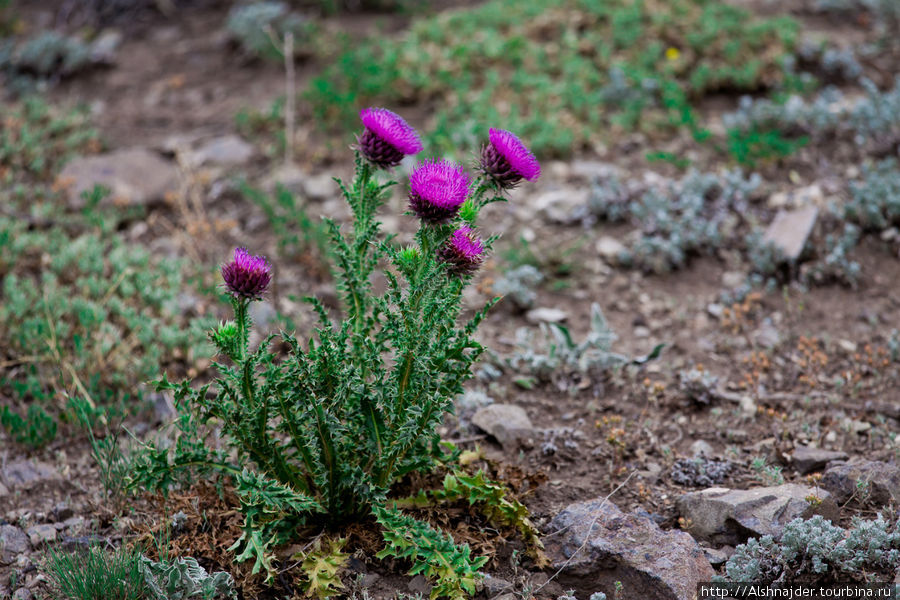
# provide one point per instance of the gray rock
(320, 187)
(546, 315)
(702, 449)
(790, 230)
(13, 543)
(881, 481)
(3, 490)
(726, 516)
(807, 459)
(39, 535)
(106, 46)
(598, 545)
(495, 585)
(610, 249)
(715, 556)
(22, 594)
(227, 151)
(26, 473)
(419, 585)
(561, 205)
(134, 176)
(506, 422)
(62, 511)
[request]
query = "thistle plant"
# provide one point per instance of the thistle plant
(317, 436)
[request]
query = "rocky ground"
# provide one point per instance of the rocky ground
(784, 404)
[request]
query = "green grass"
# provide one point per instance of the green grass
(95, 574)
(561, 73)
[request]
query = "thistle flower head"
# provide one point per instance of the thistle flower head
(387, 138)
(437, 188)
(463, 252)
(247, 276)
(507, 160)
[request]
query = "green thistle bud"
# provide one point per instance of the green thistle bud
(468, 212)
(225, 336)
(408, 259)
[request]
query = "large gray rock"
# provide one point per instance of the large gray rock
(13, 543)
(27, 473)
(790, 230)
(871, 480)
(594, 544)
(226, 151)
(726, 516)
(807, 459)
(134, 177)
(508, 423)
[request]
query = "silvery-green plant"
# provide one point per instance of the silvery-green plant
(318, 436)
(875, 201)
(185, 579)
(691, 217)
(518, 285)
(819, 551)
(557, 352)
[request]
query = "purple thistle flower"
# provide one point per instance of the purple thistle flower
(387, 138)
(463, 252)
(437, 188)
(247, 276)
(507, 161)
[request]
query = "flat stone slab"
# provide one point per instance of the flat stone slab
(880, 481)
(13, 543)
(508, 423)
(725, 516)
(807, 459)
(134, 177)
(26, 473)
(790, 230)
(593, 544)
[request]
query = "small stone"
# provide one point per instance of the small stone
(890, 234)
(508, 423)
(39, 535)
(715, 556)
(105, 47)
(22, 594)
(790, 230)
(641, 332)
(419, 585)
(62, 511)
(225, 151)
(13, 543)
(748, 405)
(715, 310)
(495, 585)
(726, 516)
(702, 449)
(134, 177)
(733, 279)
(561, 205)
(319, 187)
(767, 334)
(807, 459)
(831, 437)
(546, 315)
(597, 544)
(610, 249)
(847, 346)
